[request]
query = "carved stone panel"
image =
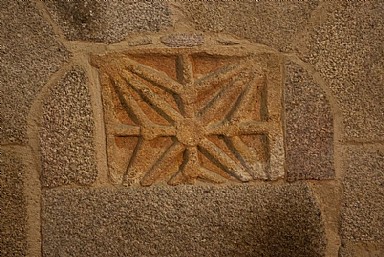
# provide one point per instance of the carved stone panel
(186, 115)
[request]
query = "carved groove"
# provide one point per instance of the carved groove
(227, 102)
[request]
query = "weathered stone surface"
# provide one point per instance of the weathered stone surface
(139, 41)
(361, 249)
(183, 39)
(192, 115)
(308, 127)
(346, 47)
(273, 23)
(241, 221)
(363, 195)
(29, 54)
(13, 214)
(66, 134)
(108, 21)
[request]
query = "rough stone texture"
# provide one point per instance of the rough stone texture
(29, 54)
(12, 206)
(183, 39)
(308, 127)
(363, 196)
(139, 41)
(189, 115)
(183, 221)
(108, 21)
(347, 48)
(66, 135)
(361, 249)
(268, 22)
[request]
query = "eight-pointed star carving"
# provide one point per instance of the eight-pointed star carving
(192, 123)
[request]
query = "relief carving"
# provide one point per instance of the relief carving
(184, 115)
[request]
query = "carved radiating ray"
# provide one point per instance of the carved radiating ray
(221, 74)
(244, 100)
(162, 163)
(226, 128)
(225, 162)
(185, 76)
(134, 171)
(139, 116)
(210, 176)
(247, 156)
(253, 127)
(220, 100)
(185, 69)
(124, 130)
(219, 128)
(158, 78)
(165, 131)
(188, 171)
(158, 104)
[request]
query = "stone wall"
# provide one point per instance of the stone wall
(191, 128)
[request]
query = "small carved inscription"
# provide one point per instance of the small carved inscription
(178, 116)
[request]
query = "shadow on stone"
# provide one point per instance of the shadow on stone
(183, 221)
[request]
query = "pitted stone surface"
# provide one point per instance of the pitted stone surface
(13, 221)
(362, 210)
(29, 55)
(178, 221)
(183, 39)
(178, 116)
(190, 132)
(273, 23)
(66, 136)
(346, 47)
(308, 127)
(108, 21)
(362, 249)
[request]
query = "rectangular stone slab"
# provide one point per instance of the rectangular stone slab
(270, 220)
(192, 115)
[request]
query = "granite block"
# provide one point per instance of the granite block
(66, 134)
(29, 55)
(346, 46)
(361, 249)
(308, 127)
(108, 21)
(266, 220)
(362, 212)
(273, 23)
(13, 212)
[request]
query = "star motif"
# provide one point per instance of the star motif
(231, 94)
